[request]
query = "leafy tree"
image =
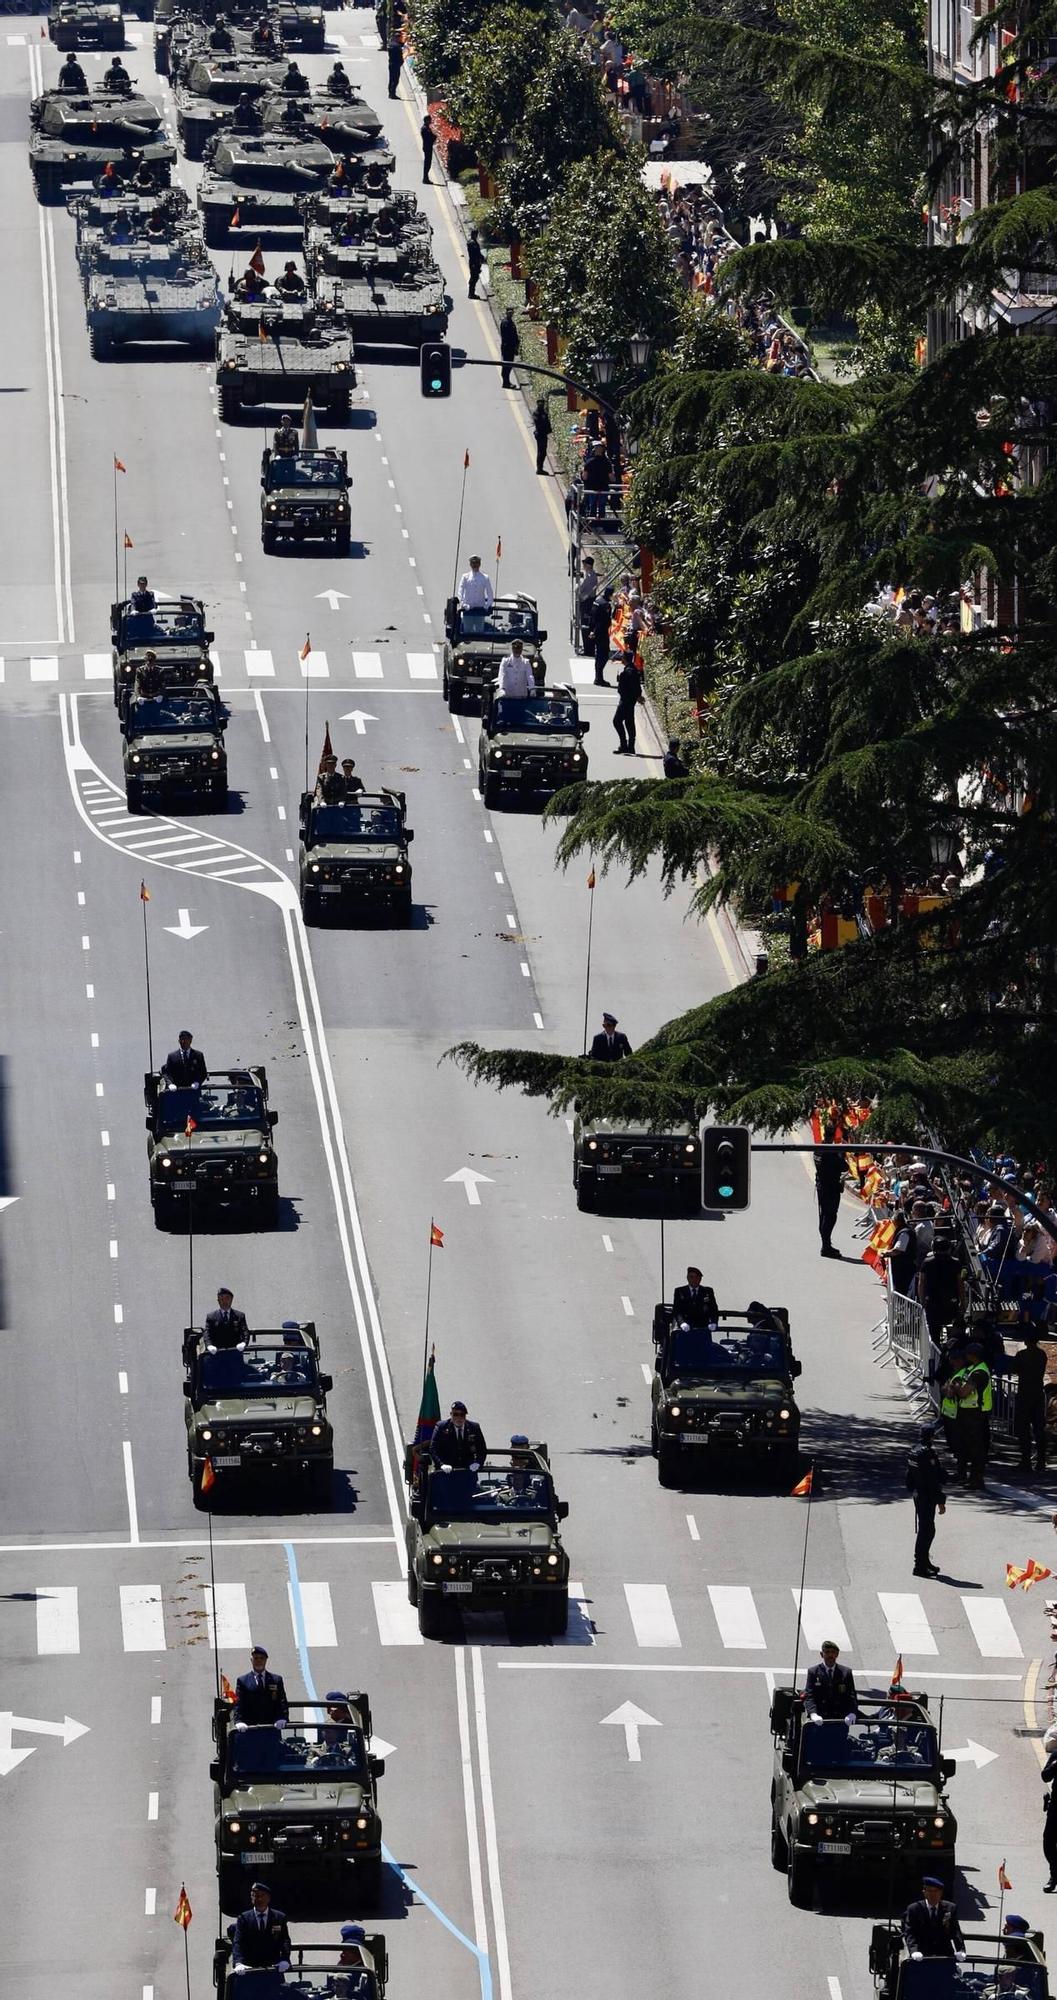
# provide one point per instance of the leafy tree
(444, 32)
(487, 97)
(565, 119)
(603, 263)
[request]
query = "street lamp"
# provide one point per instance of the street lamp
(603, 369)
(943, 846)
(639, 351)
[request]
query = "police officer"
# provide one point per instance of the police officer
(829, 1173)
(260, 1697)
(285, 440)
(185, 1066)
(930, 1926)
(925, 1482)
(609, 1046)
(142, 598)
(971, 1388)
(458, 1443)
(673, 766)
(1029, 1368)
(291, 285)
(225, 1326)
(475, 259)
(72, 76)
(395, 55)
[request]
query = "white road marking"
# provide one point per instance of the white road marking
(142, 1618)
(607, 1241)
(318, 1614)
(422, 666)
(99, 1090)
(259, 663)
(232, 1616)
(491, 1843)
(498, 872)
(98, 667)
(647, 1373)
(122, 1382)
(119, 1315)
(488, 837)
(261, 717)
(86, 944)
(628, 1309)
(58, 1625)
(150, 1902)
(630, 1718)
(155, 1709)
(152, 1806)
(113, 1246)
(736, 1615)
(538, 1018)
(397, 1620)
(905, 1617)
(834, 1989)
(315, 668)
(77, 857)
(130, 1489)
(651, 1614)
(367, 666)
(89, 992)
(820, 1619)
(111, 1191)
(104, 1137)
(993, 1628)
(44, 668)
(80, 899)
(525, 972)
(695, 1532)
(473, 1845)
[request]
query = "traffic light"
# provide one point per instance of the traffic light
(434, 361)
(726, 1151)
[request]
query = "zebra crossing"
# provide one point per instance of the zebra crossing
(259, 666)
(732, 1619)
(151, 837)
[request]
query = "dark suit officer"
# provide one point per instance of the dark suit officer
(185, 1065)
(259, 1695)
(931, 1926)
(260, 1938)
(694, 1304)
(830, 1690)
(225, 1325)
(609, 1046)
(458, 1441)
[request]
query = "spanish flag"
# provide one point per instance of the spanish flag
(1004, 1882)
(897, 1673)
(304, 653)
(498, 547)
(209, 1478)
(144, 893)
(235, 219)
(182, 1913)
(226, 1688)
(881, 1238)
(190, 1127)
(129, 543)
(591, 879)
(1032, 1572)
(803, 1486)
(256, 262)
(436, 1237)
(118, 467)
(262, 331)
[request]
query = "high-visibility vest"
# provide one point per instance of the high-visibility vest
(981, 1398)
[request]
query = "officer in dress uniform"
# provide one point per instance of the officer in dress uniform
(829, 1695)
(609, 1046)
(185, 1066)
(458, 1443)
(225, 1325)
(694, 1304)
(930, 1926)
(259, 1695)
(260, 1938)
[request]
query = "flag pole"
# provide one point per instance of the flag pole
(498, 560)
(429, 1287)
(187, 1963)
(144, 900)
(213, 1601)
(662, 1258)
(590, 928)
(191, 1259)
(115, 527)
(803, 1573)
(458, 531)
(124, 565)
(304, 663)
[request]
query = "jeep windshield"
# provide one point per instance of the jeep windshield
(542, 714)
(229, 1372)
(494, 1493)
(946, 1979)
(504, 621)
(694, 1351)
(854, 1747)
(164, 626)
(336, 824)
(291, 469)
(213, 1108)
(297, 1750)
(178, 712)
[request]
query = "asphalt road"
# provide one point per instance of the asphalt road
(529, 1841)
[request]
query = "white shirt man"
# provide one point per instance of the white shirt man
(475, 590)
(516, 678)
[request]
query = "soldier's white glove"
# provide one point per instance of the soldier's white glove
(959, 1954)
(475, 1467)
(283, 1965)
(814, 1718)
(917, 1954)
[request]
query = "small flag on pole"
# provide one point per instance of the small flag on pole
(118, 467)
(226, 1688)
(591, 879)
(466, 461)
(257, 260)
(803, 1486)
(305, 650)
(1004, 1882)
(235, 219)
(144, 893)
(209, 1478)
(428, 1412)
(897, 1673)
(129, 543)
(262, 331)
(327, 750)
(1032, 1572)
(498, 547)
(436, 1237)
(182, 1913)
(190, 1127)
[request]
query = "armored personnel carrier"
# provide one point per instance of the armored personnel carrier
(298, 27)
(274, 352)
(177, 39)
(87, 24)
(345, 124)
(100, 218)
(150, 292)
(355, 217)
(205, 100)
(258, 183)
(390, 295)
(77, 135)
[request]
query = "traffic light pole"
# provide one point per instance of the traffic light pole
(536, 368)
(934, 1153)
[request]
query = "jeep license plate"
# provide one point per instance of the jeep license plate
(834, 1847)
(693, 1437)
(330, 889)
(235, 1460)
(610, 1170)
(253, 1859)
(511, 771)
(183, 1187)
(456, 1589)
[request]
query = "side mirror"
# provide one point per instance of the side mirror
(149, 1123)
(376, 1766)
(562, 1510)
(541, 636)
(582, 728)
(187, 1389)
(209, 637)
(788, 1761)
(948, 1768)
(409, 834)
(273, 1119)
(796, 1368)
(214, 1771)
(326, 1383)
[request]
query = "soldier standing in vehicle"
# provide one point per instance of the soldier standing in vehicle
(142, 598)
(285, 440)
(260, 1697)
(458, 1443)
(185, 1066)
(475, 588)
(930, 1926)
(225, 1326)
(829, 1694)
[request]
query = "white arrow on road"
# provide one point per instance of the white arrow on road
(380, 1748)
(631, 1719)
(974, 1753)
(469, 1178)
(359, 719)
(333, 597)
(185, 928)
(7, 1201)
(10, 1758)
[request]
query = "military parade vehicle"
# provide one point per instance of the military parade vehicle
(860, 1798)
(106, 218)
(76, 135)
(305, 498)
(353, 857)
(317, 1971)
(298, 27)
(174, 745)
(357, 177)
(1006, 1967)
(345, 124)
(530, 747)
(354, 216)
(388, 294)
(298, 1800)
(212, 1144)
(724, 1392)
(206, 98)
(475, 642)
(274, 352)
(486, 1540)
(258, 183)
(174, 630)
(628, 1157)
(258, 1411)
(150, 292)
(177, 39)
(87, 24)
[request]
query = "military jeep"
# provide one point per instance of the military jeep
(258, 1411)
(486, 1540)
(863, 1798)
(317, 1971)
(174, 631)
(530, 747)
(354, 855)
(299, 1802)
(475, 642)
(723, 1391)
(211, 1144)
(994, 1968)
(305, 498)
(173, 743)
(627, 1157)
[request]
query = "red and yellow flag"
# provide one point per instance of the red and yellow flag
(591, 880)
(209, 1478)
(118, 467)
(226, 1688)
(190, 1127)
(897, 1673)
(182, 1913)
(803, 1486)
(436, 1237)
(256, 262)
(129, 543)
(1004, 1882)
(881, 1238)
(262, 331)
(304, 653)
(235, 219)
(498, 547)
(144, 893)
(1032, 1572)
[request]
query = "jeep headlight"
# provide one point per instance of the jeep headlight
(362, 1823)
(315, 868)
(939, 1820)
(206, 1436)
(165, 1160)
(317, 1430)
(592, 1145)
(214, 756)
(436, 1559)
(690, 1146)
(136, 758)
(812, 1819)
(676, 1410)
(398, 868)
(263, 1158)
(578, 757)
(272, 507)
(231, 362)
(552, 1560)
(343, 505)
(234, 1826)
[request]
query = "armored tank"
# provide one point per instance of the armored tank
(105, 218)
(77, 135)
(354, 215)
(177, 39)
(87, 24)
(150, 292)
(298, 27)
(387, 295)
(259, 183)
(345, 124)
(205, 101)
(272, 353)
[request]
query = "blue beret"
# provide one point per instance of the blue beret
(932, 1881)
(352, 1934)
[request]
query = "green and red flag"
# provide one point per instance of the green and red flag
(428, 1414)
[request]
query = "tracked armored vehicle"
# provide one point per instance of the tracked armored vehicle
(274, 353)
(77, 135)
(177, 38)
(150, 292)
(347, 125)
(256, 183)
(207, 97)
(97, 214)
(88, 24)
(389, 295)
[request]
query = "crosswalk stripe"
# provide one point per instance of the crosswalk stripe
(367, 666)
(16, 41)
(820, 1619)
(422, 666)
(397, 1621)
(905, 1617)
(317, 1614)
(44, 667)
(142, 1618)
(232, 1616)
(98, 667)
(736, 1615)
(652, 1615)
(3, 670)
(993, 1628)
(582, 671)
(259, 663)
(315, 668)
(58, 1624)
